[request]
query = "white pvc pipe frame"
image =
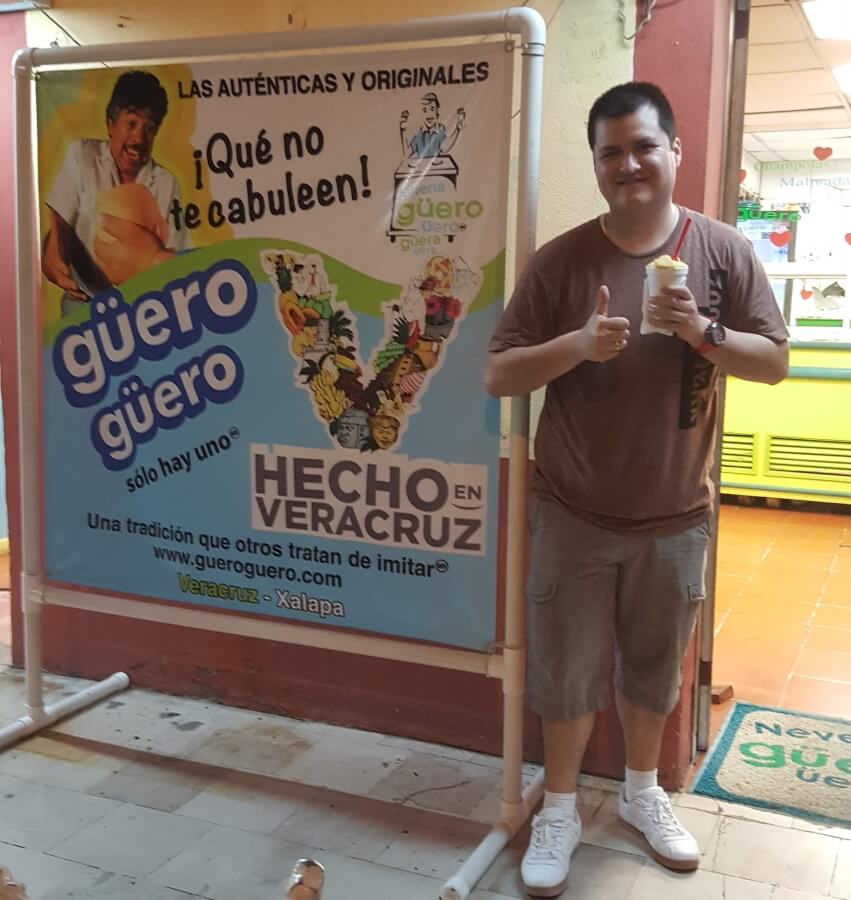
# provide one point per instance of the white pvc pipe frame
(509, 666)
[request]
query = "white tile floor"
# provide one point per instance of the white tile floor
(149, 797)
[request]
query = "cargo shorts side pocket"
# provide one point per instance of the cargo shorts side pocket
(696, 578)
(681, 563)
(542, 579)
(541, 587)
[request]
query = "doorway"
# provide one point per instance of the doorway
(781, 628)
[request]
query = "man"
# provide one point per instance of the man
(430, 139)
(87, 248)
(621, 498)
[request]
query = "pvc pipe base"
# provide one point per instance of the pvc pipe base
(455, 889)
(461, 885)
(30, 724)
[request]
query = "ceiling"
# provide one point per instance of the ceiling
(793, 101)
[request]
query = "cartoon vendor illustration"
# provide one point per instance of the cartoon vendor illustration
(427, 167)
(430, 139)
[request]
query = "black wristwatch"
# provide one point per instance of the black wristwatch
(713, 337)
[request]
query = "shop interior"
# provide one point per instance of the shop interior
(783, 593)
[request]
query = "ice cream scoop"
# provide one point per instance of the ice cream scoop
(664, 271)
(667, 262)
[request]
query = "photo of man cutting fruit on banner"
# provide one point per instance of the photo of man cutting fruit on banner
(108, 205)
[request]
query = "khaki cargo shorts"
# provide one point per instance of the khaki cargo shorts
(591, 590)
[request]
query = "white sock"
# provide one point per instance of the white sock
(638, 781)
(565, 802)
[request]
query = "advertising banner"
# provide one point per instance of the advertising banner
(266, 303)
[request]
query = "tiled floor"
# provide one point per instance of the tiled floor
(783, 607)
(143, 798)
(147, 797)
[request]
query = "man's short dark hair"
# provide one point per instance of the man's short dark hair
(136, 91)
(625, 99)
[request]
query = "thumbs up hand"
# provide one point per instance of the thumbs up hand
(603, 337)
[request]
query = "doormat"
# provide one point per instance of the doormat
(781, 760)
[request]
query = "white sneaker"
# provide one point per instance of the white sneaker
(546, 861)
(650, 814)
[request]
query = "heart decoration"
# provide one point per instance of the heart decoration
(780, 238)
(805, 294)
(366, 407)
(822, 153)
(742, 175)
(848, 238)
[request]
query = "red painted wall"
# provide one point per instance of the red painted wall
(12, 37)
(675, 50)
(685, 50)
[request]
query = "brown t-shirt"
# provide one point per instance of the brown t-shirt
(627, 444)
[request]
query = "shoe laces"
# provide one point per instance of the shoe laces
(658, 806)
(547, 837)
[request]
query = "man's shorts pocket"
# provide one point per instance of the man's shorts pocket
(696, 593)
(541, 587)
(685, 545)
(543, 578)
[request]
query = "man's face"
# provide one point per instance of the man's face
(634, 161)
(352, 429)
(384, 430)
(131, 139)
(429, 113)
